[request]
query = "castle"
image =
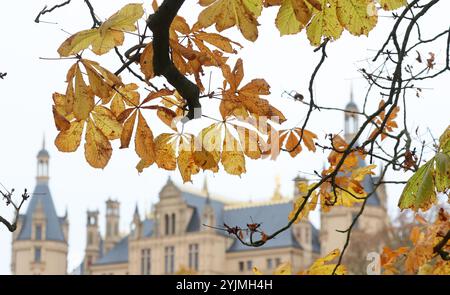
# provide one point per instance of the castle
(173, 237)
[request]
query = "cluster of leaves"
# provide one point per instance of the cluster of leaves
(321, 18)
(421, 257)
(389, 124)
(319, 267)
(343, 185)
(113, 116)
(432, 178)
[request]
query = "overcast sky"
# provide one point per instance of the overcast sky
(286, 63)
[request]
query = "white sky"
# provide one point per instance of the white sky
(286, 63)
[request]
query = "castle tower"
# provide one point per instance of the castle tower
(374, 218)
(39, 245)
(112, 235)
(93, 241)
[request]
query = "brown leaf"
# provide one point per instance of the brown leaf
(127, 131)
(61, 122)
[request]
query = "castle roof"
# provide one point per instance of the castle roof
(42, 197)
(272, 215)
(118, 254)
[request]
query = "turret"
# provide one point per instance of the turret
(112, 224)
(93, 240)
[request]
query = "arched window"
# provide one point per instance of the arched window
(173, 223)
(166, 224)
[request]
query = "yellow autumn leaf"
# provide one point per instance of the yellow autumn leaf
(69, 140)
(292, 144)
(117, 106)
(444, 141)
(106, 122)
(217, 40)
(233, 159)
(360, 173)
(442, 172)
(107, 36)
(308, 207)
(287, 21)
(210, 142)
(61, 122)
(419, 192)
(124, 19)
(146, 61)
(324, 24)
(167, 116)
(127, 93)
(77, 42)
(144, 144)
(185, 160)
(359, 17)
(227, 13)
(308, 138)
(320, 266)
(83, 102)
(97, 148)
(101, 81)
(249, 141)
(392, 4)
(127, 131)
(60, 101)
(165, 153)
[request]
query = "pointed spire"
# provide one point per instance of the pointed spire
(136, 210)
(43, 141)
(205, 190)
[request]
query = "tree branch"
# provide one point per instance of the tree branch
(45, 10)
(12, 226)
(159, 23)
(439, 248)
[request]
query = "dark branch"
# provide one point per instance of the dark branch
(159, 23)
(45, 10)
(12, 226)
(96, 21)
(439, 248)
